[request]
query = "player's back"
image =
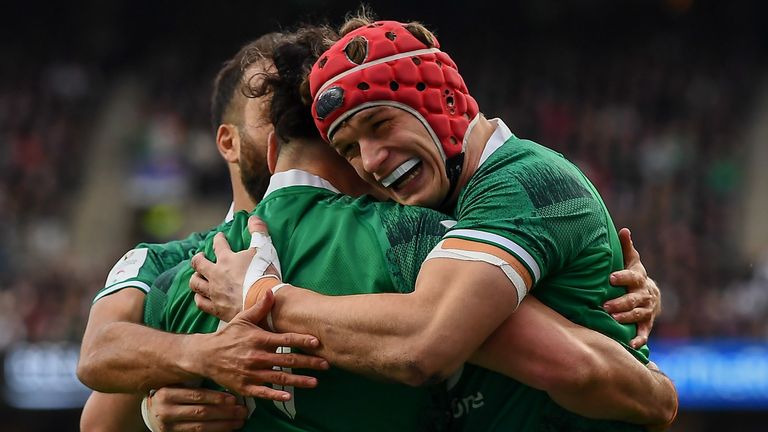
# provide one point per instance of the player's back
(334, 245)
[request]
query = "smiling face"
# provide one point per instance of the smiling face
(393, 151)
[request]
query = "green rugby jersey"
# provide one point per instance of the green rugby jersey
(141, 266)
(531, 202)
(336, 245)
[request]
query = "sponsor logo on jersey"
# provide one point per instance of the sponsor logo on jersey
(128, 266)
(461, 406)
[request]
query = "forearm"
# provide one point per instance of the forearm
(368, 334)
(621, 389)
(412, 338)
(130, 358)
(582, 370)
(123, 409)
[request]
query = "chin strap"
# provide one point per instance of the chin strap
(453, 167)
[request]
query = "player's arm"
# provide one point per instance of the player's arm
(582, 370)
(122, 356)
(112, 413)
(170, 409)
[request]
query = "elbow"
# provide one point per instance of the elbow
(423, 367)
(86, 372)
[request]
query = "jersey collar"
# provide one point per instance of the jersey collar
(499, 137)
(231, 213)
(296, 177)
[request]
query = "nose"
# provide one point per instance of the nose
(372, 154)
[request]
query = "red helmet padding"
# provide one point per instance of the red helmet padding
(431, 86)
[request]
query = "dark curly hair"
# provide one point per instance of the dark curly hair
(293, 58)
(229, 79)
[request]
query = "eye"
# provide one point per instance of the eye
(379, 124)
(349, 151)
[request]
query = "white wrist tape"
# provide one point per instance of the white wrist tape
(145, 412)
(270, 323)
(266, 255)
(465, 255)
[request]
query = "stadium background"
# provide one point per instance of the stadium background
(105, 140)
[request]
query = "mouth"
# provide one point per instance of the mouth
(402, 174)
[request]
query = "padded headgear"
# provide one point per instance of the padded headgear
(398, 70)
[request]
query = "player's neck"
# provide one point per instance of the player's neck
(478, 138)
(321, 160)
(240, 197)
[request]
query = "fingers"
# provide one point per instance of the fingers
(628, 302)
(209, 412)
(207, 426)
(627, 247)
(293, 340)
(181, 395)
(206, 305)
(201, 264)
(643, 330)
(221, 245)
(199, 284)
(186, 409)
(296, 361)
(256, 225)
(258, 312)
(631, 279)
(636, 315)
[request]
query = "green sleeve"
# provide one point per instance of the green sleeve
(539, 213)
(412, 233)
(140, 266)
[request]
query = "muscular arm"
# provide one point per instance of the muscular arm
(124, 414)
(413, 338)
(125, 357)
(119, 355)
(424, 336)
(581, 369)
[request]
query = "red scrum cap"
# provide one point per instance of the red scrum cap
(397, 70)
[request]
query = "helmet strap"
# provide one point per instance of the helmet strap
(453, 167)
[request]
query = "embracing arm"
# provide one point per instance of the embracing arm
(119, 355)
(582, 370)
(124, 414)
(412, 338)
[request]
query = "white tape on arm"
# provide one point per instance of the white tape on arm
(465, 255)
(266, 255)
(270, 323)
(145, 413)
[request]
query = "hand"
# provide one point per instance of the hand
(180, 409)
(642, 302)
(218, 286)
(241, 356)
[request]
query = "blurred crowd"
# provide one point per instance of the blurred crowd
(45, 119)
(659, 127)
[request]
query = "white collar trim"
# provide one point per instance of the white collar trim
(296, 177)
(230, 214)
(499, 137)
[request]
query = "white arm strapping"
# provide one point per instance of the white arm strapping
(465, 255)
(266, 255)
(145, 413)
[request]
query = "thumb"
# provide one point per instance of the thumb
(628, 247)
(258, 312)
(220, 245)
(257, 225)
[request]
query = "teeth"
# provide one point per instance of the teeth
(400, 171)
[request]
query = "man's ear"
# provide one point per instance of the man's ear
(228, 142)
(272, 151)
